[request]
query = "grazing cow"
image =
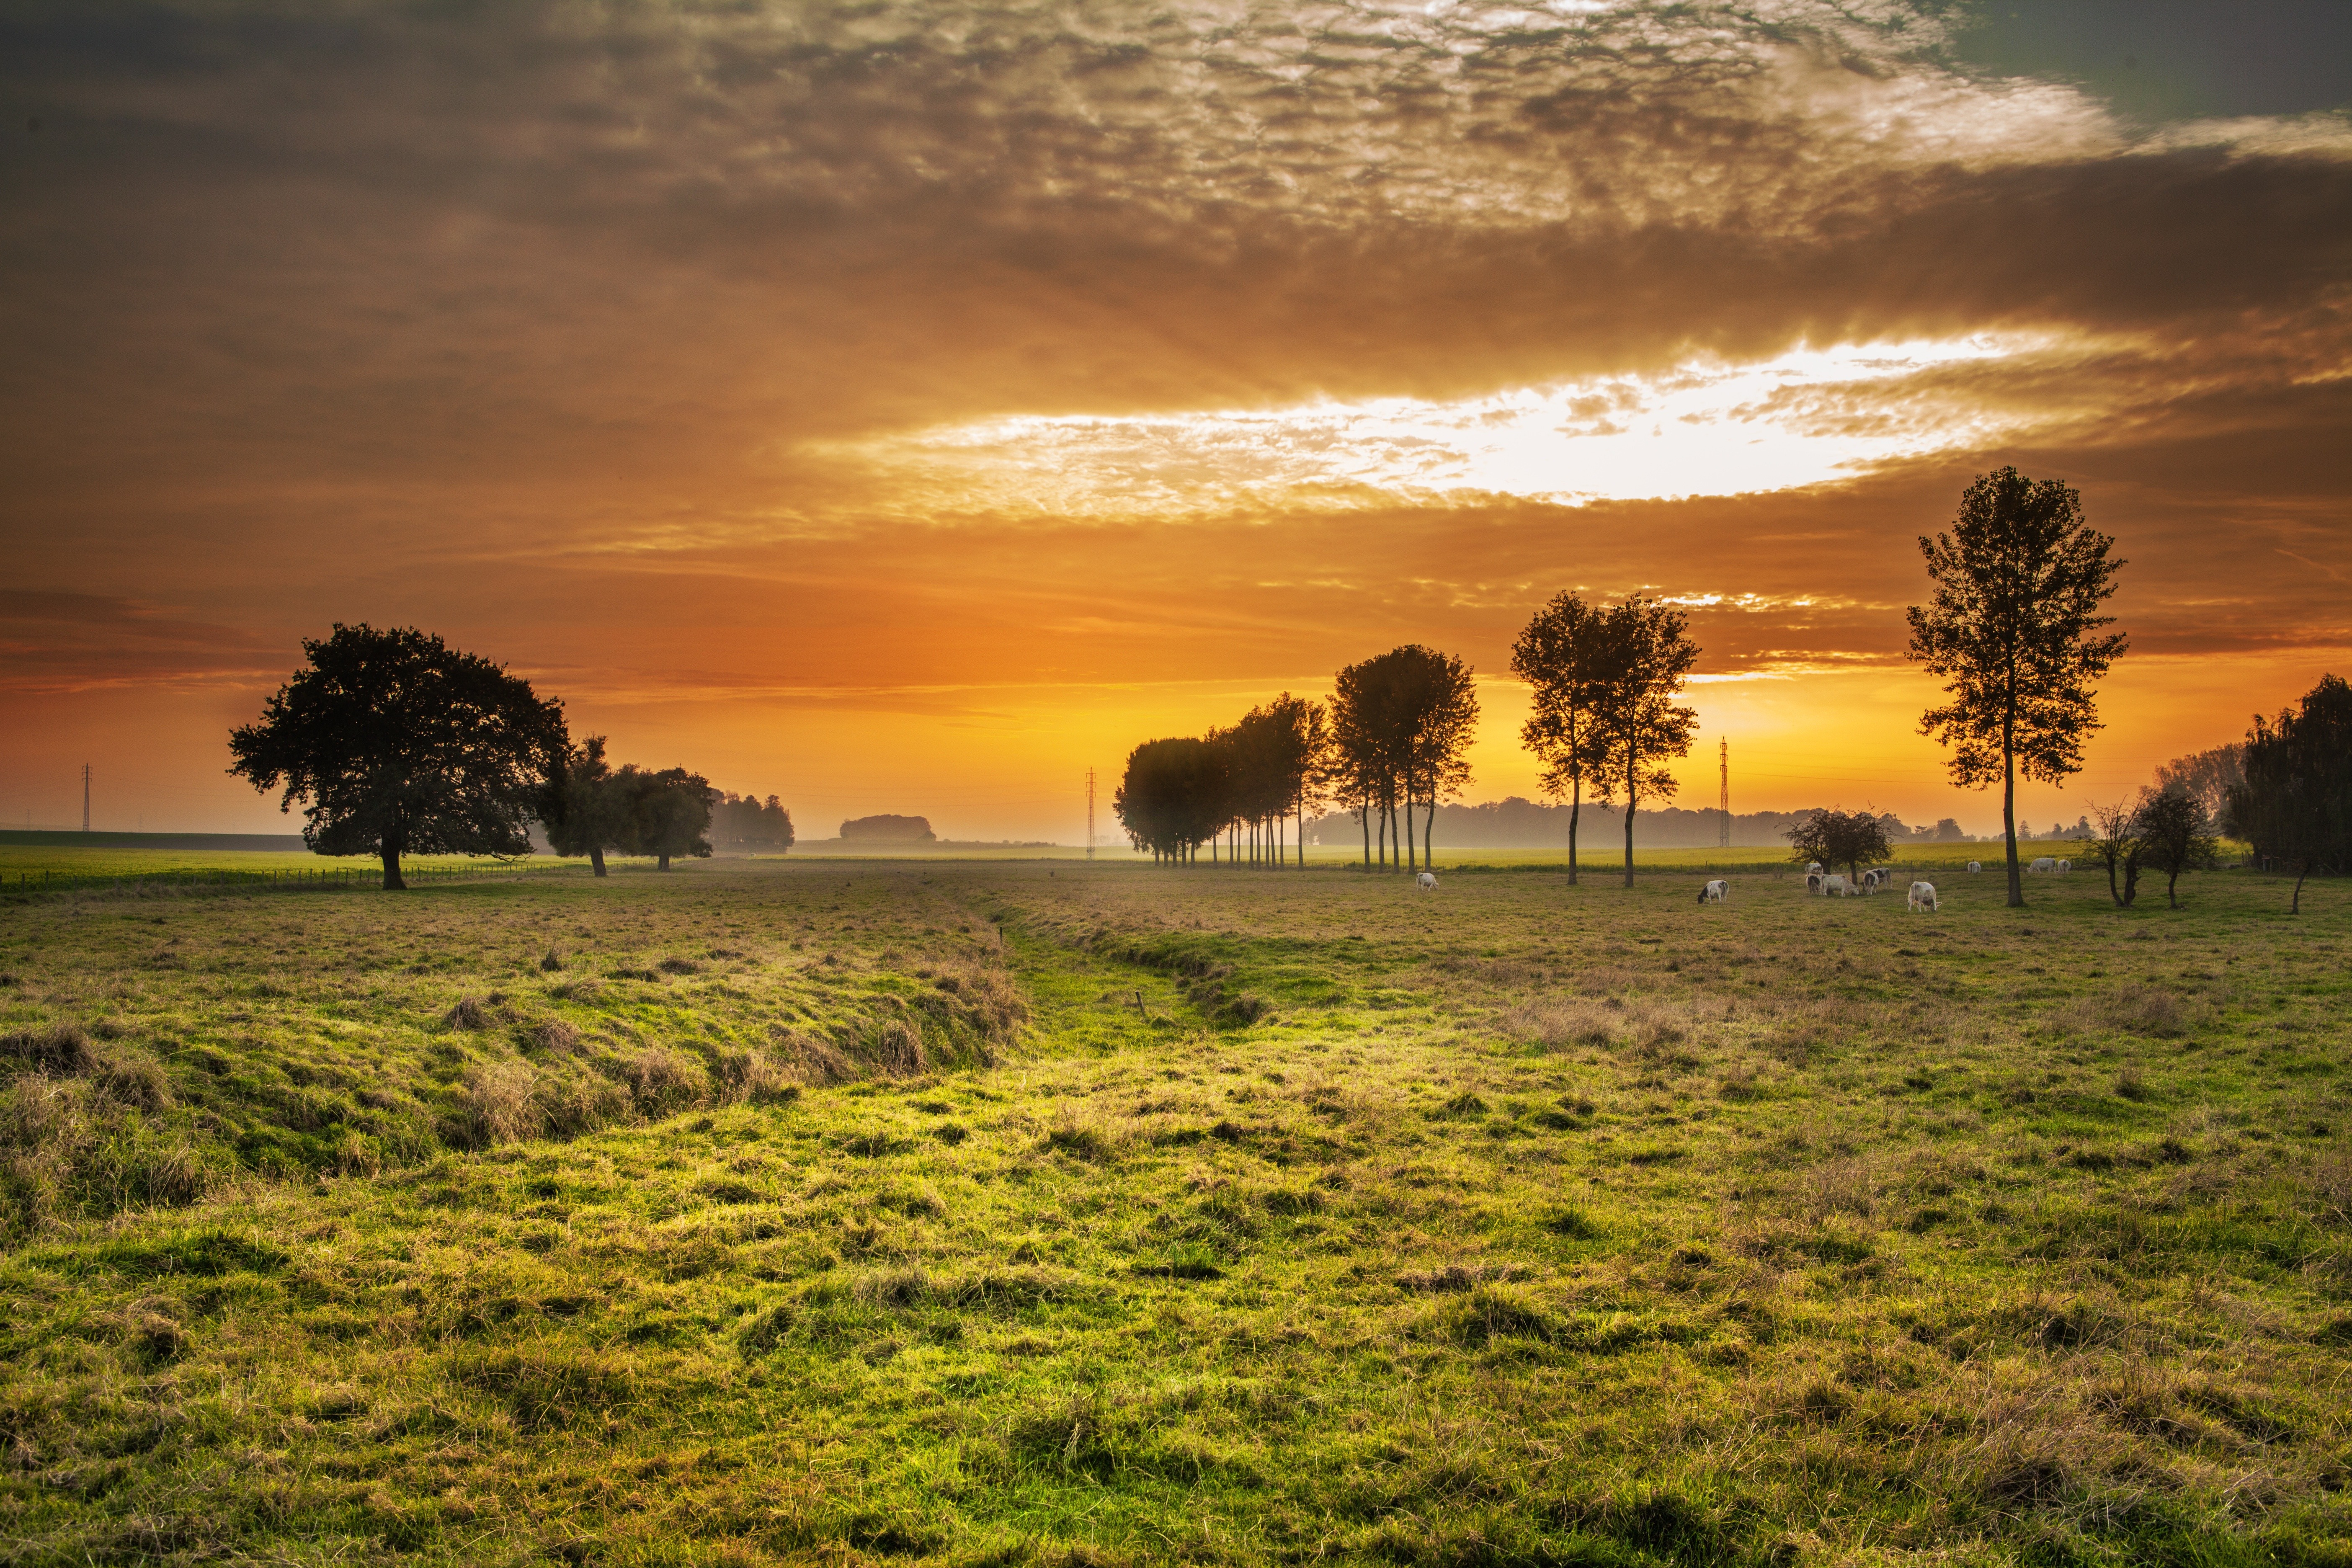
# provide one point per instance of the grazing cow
(2065, 866)
(1837, 887)
(1813, 882)
(1922, 896)
(1976, 865)
(1876, 878)
(1813, 869)
(1714, 892)
(2045, 864)
(1427, 882)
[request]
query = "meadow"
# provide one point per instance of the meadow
(995, 1213)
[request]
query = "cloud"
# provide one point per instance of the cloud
(855, 354)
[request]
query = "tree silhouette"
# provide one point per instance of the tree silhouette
(1560, 656)
(2296, 804)
(1839, 839)
(2175, 836)
(400, 744)
(2019, 583)
(1645, 656)
(667, 813)
(583, 813)
(1171, 798)
(2114, 846)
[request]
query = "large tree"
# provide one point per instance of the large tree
(667, 813)
(584, 813)
(399, 744)
(1646, 655)
(2296, 804)
(1560, 655)
(1440, 721)
(2020, 581)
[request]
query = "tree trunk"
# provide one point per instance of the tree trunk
(2295, 908)
(597, 857)
(2171, 880)
(1575, 805)
(1364, 821)
(392, 882)
(662, 863)
(1384, 834)
(1631, 803)
(1407, 852)
(2111, 885)
(2009, 814)
(1428, 829)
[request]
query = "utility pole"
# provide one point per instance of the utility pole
(85, 797)
(1724, 752)
(1090, 814)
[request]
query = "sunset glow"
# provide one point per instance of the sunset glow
(900, 410)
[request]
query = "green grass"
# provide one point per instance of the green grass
(995, 1213)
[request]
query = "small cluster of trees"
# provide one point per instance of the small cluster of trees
(745, 823)
(1605, 682)
(1237, 789)
(1845, 838)
(2165, 830)
(397, 743)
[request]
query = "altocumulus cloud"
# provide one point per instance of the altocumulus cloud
(666, 292)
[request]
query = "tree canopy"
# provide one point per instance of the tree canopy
(399, 744)
(1563, 655)
(667, 813)
(1645, 657)
(583, 813)
(1836, 837)
(2296, 804)
(2019, 583)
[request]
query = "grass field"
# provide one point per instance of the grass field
(1039, 1213)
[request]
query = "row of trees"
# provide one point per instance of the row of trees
(397, 744)
(1389, 741)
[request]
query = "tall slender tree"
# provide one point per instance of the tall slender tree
(2020, 581)
(1646, 655)
(1560, 656)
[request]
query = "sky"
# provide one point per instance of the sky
(907, 408)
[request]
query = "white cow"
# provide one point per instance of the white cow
(1427, 882)
(1813, 868)
(2045, 864)
(1976, 866)
(2065, 866)
(1922, 896)
(1812, 881)
(1875, 877)
(1837, 887)
(1714, 892)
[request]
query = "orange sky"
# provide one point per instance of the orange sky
(903, 409)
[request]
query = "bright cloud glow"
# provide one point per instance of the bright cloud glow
(1705, 428)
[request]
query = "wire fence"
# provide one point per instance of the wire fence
(283, 879)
